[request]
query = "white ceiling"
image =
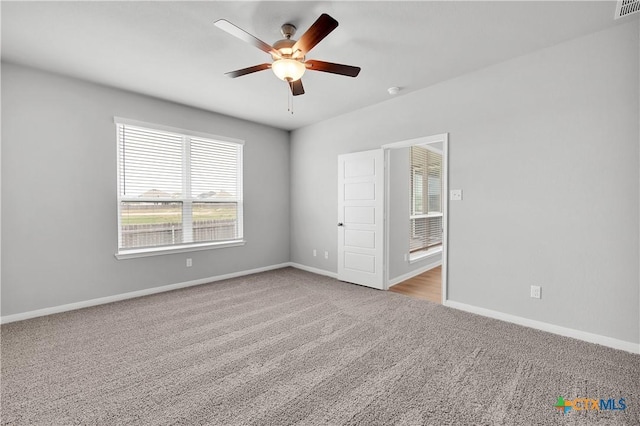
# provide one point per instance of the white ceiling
(172, 50)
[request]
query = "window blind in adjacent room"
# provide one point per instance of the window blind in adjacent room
(426, 199)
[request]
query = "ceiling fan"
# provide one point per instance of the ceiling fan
(289, 63)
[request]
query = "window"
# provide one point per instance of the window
(426, 199)
(176, 189)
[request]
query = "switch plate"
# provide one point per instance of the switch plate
(189, 262)
(455, 195)
(536, 292)
(326, 254)
(315, 253)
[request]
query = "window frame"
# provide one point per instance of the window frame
(187, 200)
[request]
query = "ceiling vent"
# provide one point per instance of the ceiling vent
(627, 7)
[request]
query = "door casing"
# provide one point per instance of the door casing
(427, 140)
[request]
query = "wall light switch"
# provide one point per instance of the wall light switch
(326, 254)
(189, 262)
(455, 195)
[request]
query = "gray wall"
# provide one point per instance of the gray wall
(59, 224)
(546, 149)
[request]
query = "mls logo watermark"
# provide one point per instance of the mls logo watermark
(590, 404)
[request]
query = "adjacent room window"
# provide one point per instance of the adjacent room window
(176, 189)
(426, 200)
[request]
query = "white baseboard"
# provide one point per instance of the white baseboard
(551, 328)
(413, 273)
(314, 270)
(130, 295)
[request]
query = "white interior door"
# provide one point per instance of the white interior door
(360, 218)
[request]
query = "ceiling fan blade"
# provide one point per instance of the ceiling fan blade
(319, 30)
(347, 70)
(296, 87)
(238, 32)
(245, 71)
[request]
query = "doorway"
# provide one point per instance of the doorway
(416, 229)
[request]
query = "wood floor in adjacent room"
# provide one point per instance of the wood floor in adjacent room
(427, 285)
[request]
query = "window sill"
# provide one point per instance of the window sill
(146, 252)
(421, 255)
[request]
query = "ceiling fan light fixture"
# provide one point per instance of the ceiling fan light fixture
(288, 69)
(288, 55)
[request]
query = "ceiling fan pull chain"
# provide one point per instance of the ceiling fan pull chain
(289, 101)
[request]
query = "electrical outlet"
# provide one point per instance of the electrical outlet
(189, 262)
(315, 253)
(326, 254)
(536, 291)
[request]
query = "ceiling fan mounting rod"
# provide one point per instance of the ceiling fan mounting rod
(288, 30)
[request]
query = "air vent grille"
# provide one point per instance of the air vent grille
(627, 7)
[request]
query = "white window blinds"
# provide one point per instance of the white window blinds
(150, 163)
(176, 189)
(214, 168)
(426, 199)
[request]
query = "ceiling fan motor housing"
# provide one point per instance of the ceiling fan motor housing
(285, 46)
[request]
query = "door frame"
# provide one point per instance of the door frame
(444, 138)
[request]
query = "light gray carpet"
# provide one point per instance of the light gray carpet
(290, 347)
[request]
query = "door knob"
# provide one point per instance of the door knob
(340, 224)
